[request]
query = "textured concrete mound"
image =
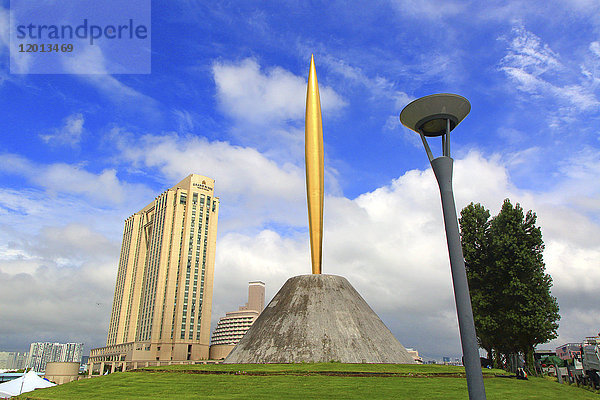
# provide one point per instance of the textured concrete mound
(318, 318)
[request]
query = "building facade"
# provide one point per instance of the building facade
(16, 360)
(415, 355)
(233, 326)
(163, 294)
(41, 353)
(62, 372)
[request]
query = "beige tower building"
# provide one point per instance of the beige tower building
(234, 325)
(163, 294)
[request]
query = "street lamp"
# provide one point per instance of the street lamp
(432, 116)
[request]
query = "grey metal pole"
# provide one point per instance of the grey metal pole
(442, 167)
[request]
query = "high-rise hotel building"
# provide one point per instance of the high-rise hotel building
(163, 295)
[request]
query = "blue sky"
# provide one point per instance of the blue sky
(80, 153)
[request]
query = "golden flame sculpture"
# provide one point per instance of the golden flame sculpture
(313, 151)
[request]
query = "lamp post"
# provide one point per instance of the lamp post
(432, 116)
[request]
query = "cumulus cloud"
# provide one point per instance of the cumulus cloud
(253, 189)
(57, 286)
(276, 95)
(56, 178)
(58, 257)
(267, 105)
(579, 170)
(27, 211)
(265, 256)
(69, 134)
(59, 248)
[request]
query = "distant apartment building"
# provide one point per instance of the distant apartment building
(163, 295)
(233, 326)
(16, 360)
(41, 353)
(83, 364)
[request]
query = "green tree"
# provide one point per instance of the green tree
(512, 305)
(475, 226)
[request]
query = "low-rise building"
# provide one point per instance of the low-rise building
(41, 353)
(234, 325)
(569, 351)
(415, 355)
(62, 372)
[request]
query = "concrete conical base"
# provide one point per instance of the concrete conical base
(318, 318)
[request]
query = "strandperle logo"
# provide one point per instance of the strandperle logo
(85, 30)
(80, 37)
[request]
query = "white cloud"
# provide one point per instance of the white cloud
(69, 134)
(430, 9)
(527, 52)
(267, 107)
(574, 189)
(250, 95)
(59, 252)
(381, 90)
(253, 189)
(539, 71)
(60, 178)
(89, 61)
(242, 258)
(57, 286)
(90, 65)
(378, 86)
(595, 48)
(122, 95)
(185, 120)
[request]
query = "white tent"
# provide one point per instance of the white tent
(26, 383)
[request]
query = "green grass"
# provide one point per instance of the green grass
(303, 381)
(402, 369)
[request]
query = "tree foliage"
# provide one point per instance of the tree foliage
(510, 291)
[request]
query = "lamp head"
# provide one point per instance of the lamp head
(428, 114)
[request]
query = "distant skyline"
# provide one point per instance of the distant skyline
(225, 99)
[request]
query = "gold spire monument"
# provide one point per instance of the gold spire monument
(313, 152)
(317, 317)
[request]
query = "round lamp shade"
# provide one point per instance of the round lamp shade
(428, 114)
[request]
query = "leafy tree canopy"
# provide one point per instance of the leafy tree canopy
(510, 291)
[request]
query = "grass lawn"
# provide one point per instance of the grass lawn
(303, 381)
